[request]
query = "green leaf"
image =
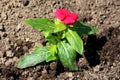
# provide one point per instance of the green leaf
(75, 40)
(83, 28)
(67, 55)
(57, 21)
(41, 24)
(59, 26)
(52, 38)
(63, 35)
(53, 49)
(46, 33)
(39, 55)
(51, 58)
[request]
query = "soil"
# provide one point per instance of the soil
(101, 59)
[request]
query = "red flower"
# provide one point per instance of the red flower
(66, 16)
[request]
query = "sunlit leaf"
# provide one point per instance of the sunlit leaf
(75, 40)
(59, 26)
(39, 55)
(53, 49)
(52, 38)
(41, 24)
(67, 55)
(51, 58)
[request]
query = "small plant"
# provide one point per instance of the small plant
(63, 39)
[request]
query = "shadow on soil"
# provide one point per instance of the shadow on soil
(93, 44)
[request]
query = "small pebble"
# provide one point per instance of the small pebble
(97, 68)
(4, 16)
(27, 39)
(38, 44)
(2, 60)
(44, 71)
(20, 16)
(1, 27)
(30, 78)
(5, 35)
(53, 65)
(25, 48)
(19, 42)
(69, 74)
(8, 62)
(1, 54)
(9, 53)
(25, 72)
(18, 28)
(15, 59)
(25, 2)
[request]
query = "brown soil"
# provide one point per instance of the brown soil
(102, 51)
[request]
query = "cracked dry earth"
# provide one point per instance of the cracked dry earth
(102, 51)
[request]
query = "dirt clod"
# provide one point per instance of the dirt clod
(9, 53)
(1, 27)
(8, 62)
(25, 2)
(1, 54)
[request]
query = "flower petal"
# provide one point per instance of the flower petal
(74, 16)
(59, 14)
(66, 16)
(69, 20)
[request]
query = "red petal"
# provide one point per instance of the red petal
(66, 16)
(69, 20)
(74, 16)
(59, 14)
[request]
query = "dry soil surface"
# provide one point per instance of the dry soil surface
(102, 51)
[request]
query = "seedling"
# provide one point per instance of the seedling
(63, 40)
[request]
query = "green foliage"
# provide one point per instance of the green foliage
(82, 28)
(53, 49)
(39, 55)
(51, 58)
(52, 38)
(75, 41)
(43, 24)
(63, 42)
(59, 26)
(67, 55)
